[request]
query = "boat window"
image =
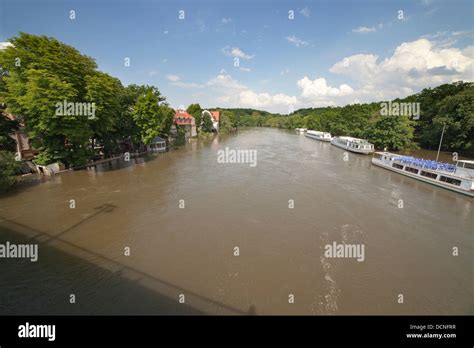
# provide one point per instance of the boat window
(411, 170)
(429, 175)
(396, 165)
(469, 165)
(450, 180)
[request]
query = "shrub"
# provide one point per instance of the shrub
(9, 168)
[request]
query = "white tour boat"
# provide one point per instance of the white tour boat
(300, 130)
(353, 144)
(459, 177)
(323, 136)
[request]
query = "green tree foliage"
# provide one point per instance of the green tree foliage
(435, 111)
(7, 127)
(64, 137)
(206, 123)
(457, 113)
(152, 118)
(8, 170)
(195, 111)
(104, 91)
(37, 73)
(391, 132)
(126, 128)
(226, 122)
(180, 136)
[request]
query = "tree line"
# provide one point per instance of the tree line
(449, 105)
(38, 74)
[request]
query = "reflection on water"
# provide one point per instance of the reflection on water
(190, 250)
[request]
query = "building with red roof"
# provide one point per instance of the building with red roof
(187, 121)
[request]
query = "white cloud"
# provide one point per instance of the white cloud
(245, 69)
(232, 93)
(176, 81)
(306, 12)
(173, 78)
(226, 20)
(183, 84)
(152, 73)
(412, 66)
(319, 88)
(236, 52)
(225, 91)
(317, 92)
(251, 99)
(364, 30)
(226, 83)
(296, 41)
(5, 45)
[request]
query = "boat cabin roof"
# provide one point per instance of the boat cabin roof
(357, 140)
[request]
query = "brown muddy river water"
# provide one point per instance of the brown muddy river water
(189, 254)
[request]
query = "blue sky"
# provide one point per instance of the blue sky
(331, 53)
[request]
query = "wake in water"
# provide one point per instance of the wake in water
(328, 303)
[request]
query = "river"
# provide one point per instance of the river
(222, 238)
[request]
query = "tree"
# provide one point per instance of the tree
(37, 72)
(151, 118)
(206, 123)
(428, 129)
(195, 111)
(225, 122)
(125, 126)
(7, 127)
(391, 132)
(64, 137)
(457, 113)
(105, 93)
(8, 170)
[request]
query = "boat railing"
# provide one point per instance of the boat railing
(424, 163)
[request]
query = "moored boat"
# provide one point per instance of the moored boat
(300, 130)
(323, 136)
(458, 177)
(353, 144)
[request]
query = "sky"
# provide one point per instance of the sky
(275, 55)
